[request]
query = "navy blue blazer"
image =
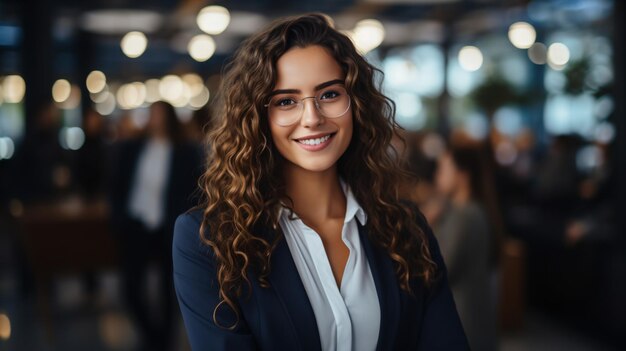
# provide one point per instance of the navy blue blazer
(281, 317)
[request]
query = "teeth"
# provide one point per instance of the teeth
(314, 141)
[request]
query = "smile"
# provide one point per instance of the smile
(315, 144)
(316, 141)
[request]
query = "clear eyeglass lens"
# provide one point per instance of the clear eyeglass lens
(331, 102)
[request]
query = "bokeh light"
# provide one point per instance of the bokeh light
(131, 95)
(107, 105)
(476, 126)
(101, 95)
(61, 90)
(171, 88)
(71, 138)
(152, 90)
(470, 58)
(522, 35)
(604, 133)
(7, 148)
(409, 111)
(194, 82)
(367, 35)
(537, 53)
(508, 120)
(558, 55)
(213, 19)
(201, 47)
(96, 82)
(5, 327)
(14, 88)
(200, 99)
(134, 44)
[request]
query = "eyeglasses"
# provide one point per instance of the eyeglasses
(287, 109)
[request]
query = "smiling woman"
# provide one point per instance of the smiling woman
(324, 130)
(302, 242)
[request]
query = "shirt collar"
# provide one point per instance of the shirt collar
(352, 206)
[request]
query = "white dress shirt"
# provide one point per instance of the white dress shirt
(147, 199)
(347, 318)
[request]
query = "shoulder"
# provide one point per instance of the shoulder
(472, 215)
(186, 241)
(187, 227)
(189, 220)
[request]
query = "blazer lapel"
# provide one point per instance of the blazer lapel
(286, 281)
(387, 288)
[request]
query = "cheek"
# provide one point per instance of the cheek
(348, 128)
(280, 138)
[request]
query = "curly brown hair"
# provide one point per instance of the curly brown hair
(243, 186)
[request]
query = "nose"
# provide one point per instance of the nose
(311, 117)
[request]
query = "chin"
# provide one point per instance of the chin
(309, 165)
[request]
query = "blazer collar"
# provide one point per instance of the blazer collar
(286, 281)
(387, 288)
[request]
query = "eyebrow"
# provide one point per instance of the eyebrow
(317, 87)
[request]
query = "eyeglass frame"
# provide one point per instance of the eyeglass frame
(317, 107)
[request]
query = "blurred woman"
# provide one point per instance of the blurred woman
(465, 236)
(153, 180)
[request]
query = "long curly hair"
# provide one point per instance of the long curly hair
(243, 186)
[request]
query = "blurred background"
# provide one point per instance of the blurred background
(513, 116)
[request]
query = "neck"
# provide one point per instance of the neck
(462, 196)
(317, 196)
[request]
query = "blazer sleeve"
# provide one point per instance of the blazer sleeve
(197, 292)
(441, 326)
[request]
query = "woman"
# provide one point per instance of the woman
(301, 242)
(466, 233)
(152, 182)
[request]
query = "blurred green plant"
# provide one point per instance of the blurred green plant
(576, 77)
(494, 93)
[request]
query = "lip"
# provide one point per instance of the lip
(316, 147)
(314, 136)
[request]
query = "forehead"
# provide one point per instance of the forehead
(302, 68)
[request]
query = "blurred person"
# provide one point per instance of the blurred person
(466, 238)
(421, 187)
(153, 180)
(301, 240)
(553, 196)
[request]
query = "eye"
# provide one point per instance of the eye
(330, 94)
(284, 102)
